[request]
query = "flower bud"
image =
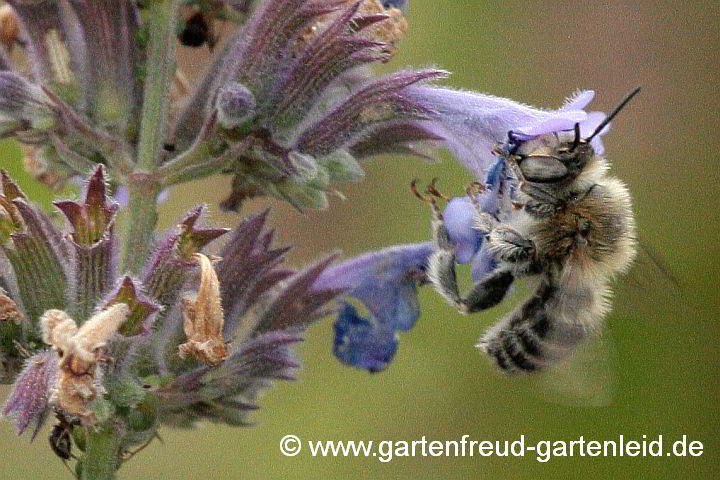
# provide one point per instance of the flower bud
(304, 164)
(235, 105)
(28, 401)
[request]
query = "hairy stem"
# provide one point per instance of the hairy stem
(153, 129)
(140, 224)
(102, 457)
(158, 78)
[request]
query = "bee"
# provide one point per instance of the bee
(571, 230)
(199, 29)
(59, 438)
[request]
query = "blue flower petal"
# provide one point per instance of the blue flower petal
(384, 281)
(362, 343)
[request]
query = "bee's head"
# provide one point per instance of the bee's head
(556, 158)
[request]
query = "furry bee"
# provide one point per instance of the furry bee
(571, 231)
(198, 30)
(59, 438)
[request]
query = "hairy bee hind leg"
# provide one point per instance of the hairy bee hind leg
(441, 265)
(483, 295)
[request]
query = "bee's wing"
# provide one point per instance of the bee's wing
(585, 378)
(650, 269)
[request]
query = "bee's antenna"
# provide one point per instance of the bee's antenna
(613, 113)
(576, 142)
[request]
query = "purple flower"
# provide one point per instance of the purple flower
(386, 283)
(460, 212)
(458, 217)
(28, 401)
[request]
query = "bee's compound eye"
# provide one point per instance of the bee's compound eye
(543, 169)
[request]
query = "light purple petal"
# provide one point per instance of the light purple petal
(557, 123)
(578, 101)
(458, 217)
(588, 127)
(473, 123)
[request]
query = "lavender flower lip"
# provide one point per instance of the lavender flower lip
(361, 343)
(473, 123)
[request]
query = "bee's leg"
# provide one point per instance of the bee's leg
(488, 292)
(441, 264)
(484, 294)
(441, 274)
(507, 245)
(441, 267)
(437, 224)
(540, 210)
(484, 222)
(512, 162)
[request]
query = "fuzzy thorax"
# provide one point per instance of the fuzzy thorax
(593, 233)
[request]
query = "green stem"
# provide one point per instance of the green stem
(160, 70)
(141, 221)
(102, 454)
(198, 162)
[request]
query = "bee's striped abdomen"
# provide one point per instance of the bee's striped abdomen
(533, 336)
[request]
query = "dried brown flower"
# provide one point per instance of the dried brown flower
(9, 311)
(78, 378)
(203, 317)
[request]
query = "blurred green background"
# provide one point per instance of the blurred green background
(664, 338)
